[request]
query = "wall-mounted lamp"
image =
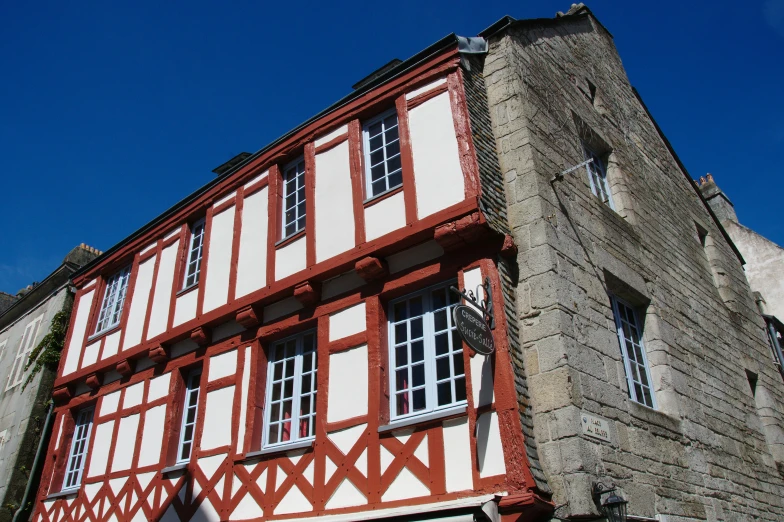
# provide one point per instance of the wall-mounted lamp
(613, 506)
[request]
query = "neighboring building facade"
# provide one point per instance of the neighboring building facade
(280, 345)
(23, 405)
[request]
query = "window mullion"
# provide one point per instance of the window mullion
(296, 395)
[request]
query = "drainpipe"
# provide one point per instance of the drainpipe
(39, 458)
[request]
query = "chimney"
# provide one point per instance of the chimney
(717, 199)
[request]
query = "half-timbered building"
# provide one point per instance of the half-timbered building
(281, 344)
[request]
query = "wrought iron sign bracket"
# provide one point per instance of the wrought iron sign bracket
(485, 306)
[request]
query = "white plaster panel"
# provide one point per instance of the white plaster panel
(348, 396)
(100, 451)
(345, 439)
(414, 256)
(111, 345)
(346, 322)
(133, 395)
(334, 203)
(290, 259)
(110, 402)
(159, 316)
(126, 441)
(428, 87)
(385, 216)
(281, 308)
(159, 387)
(82, 306)
(247, 509)
(257, 179)
(405, 485)
(293, 502)
(341, 284)
(340, 131)
(437, 173)
(216, 290)
(252, 260)
(457, 455)
(223, 365)
(154, 421)
(141, 298)
(346, 495)
(185, 307)
(91, 353)
(481, 366)
(217, 416)
(244, 397)
(489, 451)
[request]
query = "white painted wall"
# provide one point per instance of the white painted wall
(385, 216)
(216, 291)
(457, 455)
(133, 395)
(217, 416)
(427, 87)
(437, 172)
(159, 387)
(290, 259)
(141, 297)
(489, 451)
(348, 384)
(334, 203)
(91, 353)
(82, 307)
(109, 403)
(185, 307)
(111, 344)
(152, 437)
(480, 365)
(252, 261)
(346, 322)
(223, 365)
(102, 443)
(125, 442)
(159, 316)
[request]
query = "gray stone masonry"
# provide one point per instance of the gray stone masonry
(711, 448)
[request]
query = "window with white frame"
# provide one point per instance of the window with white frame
(113, 299)
(425, 353)
(26, 345)
(597, 176)
(195, 250)
(294, 198)
(635, 360)
(189, 409)
(383, 170)
(78, 455)
(291, 390)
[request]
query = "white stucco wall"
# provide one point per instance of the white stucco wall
(334, 203)
(346, 322)
(252, 260)
(152, 437)
(290, 259)
(348, 396)
(141, 297)
(161, 300)
(102, 443)
(385, 216)
(217, 417)
(82, 307)
(185, 307)
(216, 281)
(457, 455)
(437, 172)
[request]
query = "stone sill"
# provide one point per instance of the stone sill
(656, 417)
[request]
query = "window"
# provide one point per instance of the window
(635, 361)
(597, 176)
(81, 437)
(193, 268)
(383, 170)
(113, 298)
(26, 345)
(426, 353)
(291, 390)
(294, 198)
(190, 407)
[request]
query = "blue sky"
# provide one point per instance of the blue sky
(111, 112)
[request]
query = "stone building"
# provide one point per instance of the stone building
(23, 405)
(278, 346)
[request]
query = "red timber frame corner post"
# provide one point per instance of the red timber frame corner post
(468, 160)
(357, 179)
(407, 159)
(310, 204)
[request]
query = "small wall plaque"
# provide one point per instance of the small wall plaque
(595, 427)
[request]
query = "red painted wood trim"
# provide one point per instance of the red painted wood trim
(465, 143)
(375, 321)
(205, 258)
(382, 197)
(252, 189)
(310, 205)
(419, 99)
(436, 459)
(331, 144)
(322, 402)
(235, 244)
(151, 297)
(169, 241)
(217, 209)
(100, 290)
(357, 179)
(346, 423)
(272, 221)
(407, 160)
(347, 343)
(180, 263)
(293, 237)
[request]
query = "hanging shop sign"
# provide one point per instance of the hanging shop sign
(474, 320)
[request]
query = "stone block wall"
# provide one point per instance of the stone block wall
(710, 448)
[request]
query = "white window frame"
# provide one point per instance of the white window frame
(299, 184)
(430, 356)
(83, 426)
(113, 301)
(367, 155)
(298, 360)
(190, 402)
(597, 176)
(642, 366)
(26, 345)
(195, 246)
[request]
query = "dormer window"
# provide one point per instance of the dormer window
(113, 300)
(383, 171)
(294, 197)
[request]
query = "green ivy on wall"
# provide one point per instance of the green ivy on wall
(48, 351)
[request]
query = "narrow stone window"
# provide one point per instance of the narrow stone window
(597, 176)
(635, 359)
(752, 378)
